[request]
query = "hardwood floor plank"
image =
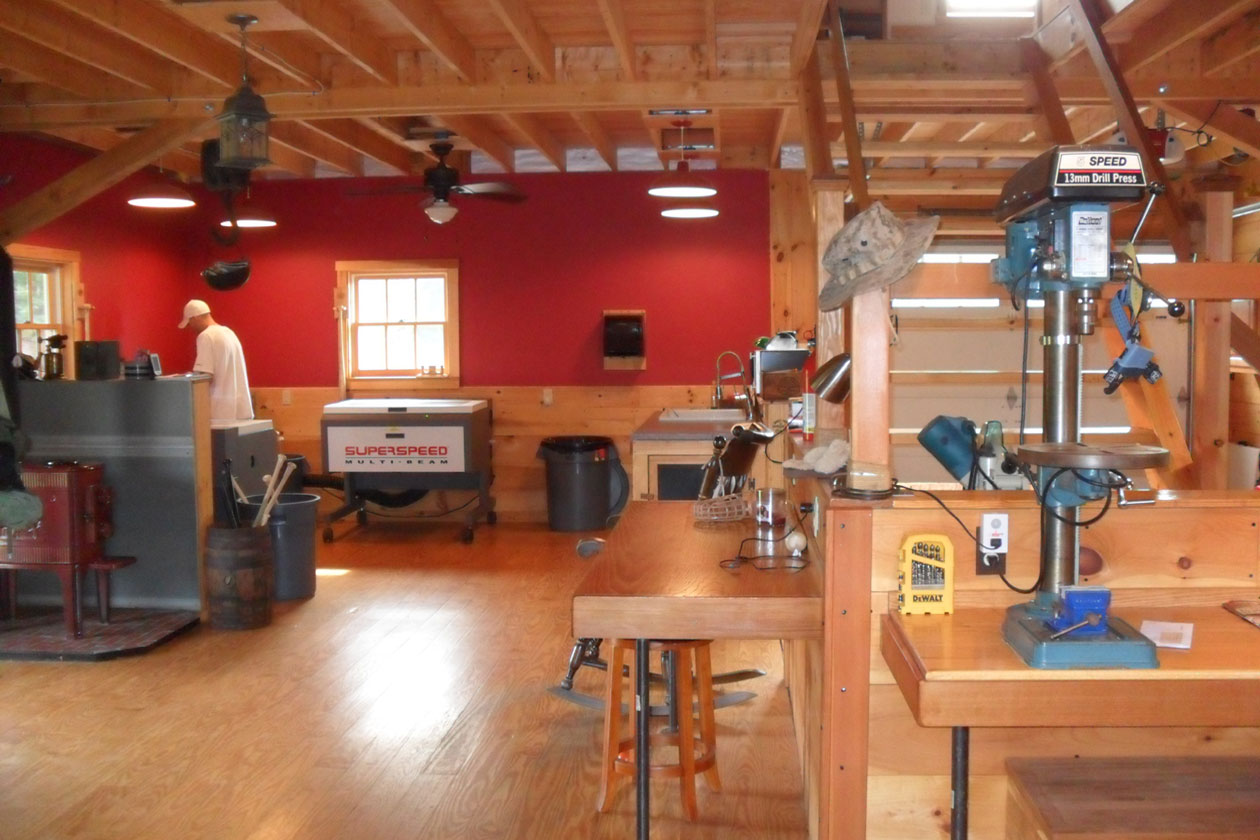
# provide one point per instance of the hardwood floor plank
(406, 699)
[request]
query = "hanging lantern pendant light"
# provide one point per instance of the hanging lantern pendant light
(243, 122)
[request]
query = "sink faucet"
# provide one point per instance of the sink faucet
(742, 400)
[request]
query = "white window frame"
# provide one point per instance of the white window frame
(67, 290)
(348, 272)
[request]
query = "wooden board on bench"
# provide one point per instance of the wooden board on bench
(1140, 798)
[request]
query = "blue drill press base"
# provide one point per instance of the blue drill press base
(1025, 629)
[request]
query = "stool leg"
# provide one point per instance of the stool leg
(704, 694)
(102, 595)
(686, 735)
(8, 585)
(612, 728)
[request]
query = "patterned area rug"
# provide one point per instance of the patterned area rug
(43, 635)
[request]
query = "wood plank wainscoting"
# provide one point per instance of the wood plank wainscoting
(884, 777)
(520, 420)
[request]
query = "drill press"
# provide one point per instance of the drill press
(1057, 215)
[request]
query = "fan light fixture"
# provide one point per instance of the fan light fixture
(161, 194)
(250, 215)
(243, 123)
(441, 211)
(690, 208)
(682, 182)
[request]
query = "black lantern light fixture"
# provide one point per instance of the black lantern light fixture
(243, 123)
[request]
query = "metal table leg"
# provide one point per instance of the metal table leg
(643, 717)
(958, 773)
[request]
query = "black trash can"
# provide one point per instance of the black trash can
(587, 487)
(292, 526)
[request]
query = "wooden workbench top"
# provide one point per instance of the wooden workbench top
(659, 577)
(956, 670)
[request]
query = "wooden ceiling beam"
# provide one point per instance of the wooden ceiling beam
(1053, 125)
(1180, 23)
(540, 138)
(1130, 121)
(301, 138)
(806, 36)
(61, 71)
(95, 176)
(62, 31)
(946, 148)
(424, 20)
(614, 15)
(186, 165)
(1231, 45)
(710, 39)
(775, 143)
(602, 143)
(529, 35)
(333, 24)
(367, 142)
(1224, 121)
(813, 119)
(289, 160)
(848, 110)
(164, 33)
(479, 132)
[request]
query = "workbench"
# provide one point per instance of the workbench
(658, 577)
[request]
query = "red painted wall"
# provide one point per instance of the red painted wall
(133, 261)
(534, 277)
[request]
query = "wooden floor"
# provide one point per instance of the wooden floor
(406, 700)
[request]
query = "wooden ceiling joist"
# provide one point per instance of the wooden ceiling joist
(848, 110)
(95, 176)
(301, 138)
(367, 142)
(337, 28)
(807, 27)
(425, 21)
(600, 141)
(1224, 121)
(541, 138)
(614, 16)
(57, 70)
(163, 33)
(479, 132)
(1053, 125)
(1179, 23)
(1130, 121)
(531, 38)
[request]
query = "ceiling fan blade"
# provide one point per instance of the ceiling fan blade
(499, 190)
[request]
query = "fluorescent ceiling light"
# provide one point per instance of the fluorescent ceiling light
(251, 216)
(690, 209)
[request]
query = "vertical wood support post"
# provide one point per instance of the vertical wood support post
(847, 624)
(1210, 427)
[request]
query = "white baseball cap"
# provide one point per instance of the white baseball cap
(192, 309)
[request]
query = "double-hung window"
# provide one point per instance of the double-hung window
(399, 324)
(44, 287)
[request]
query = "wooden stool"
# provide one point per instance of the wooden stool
(1141, 798)
(695, 754)
(102, 566)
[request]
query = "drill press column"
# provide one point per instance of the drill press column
(1061, 423)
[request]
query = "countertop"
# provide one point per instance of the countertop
(657, 429)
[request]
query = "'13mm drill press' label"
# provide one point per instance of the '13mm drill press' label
(1099, 169)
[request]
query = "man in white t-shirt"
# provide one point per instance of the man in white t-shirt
(219, 354)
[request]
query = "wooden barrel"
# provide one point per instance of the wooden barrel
(239, 577)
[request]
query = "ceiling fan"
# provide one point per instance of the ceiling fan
(443, 179)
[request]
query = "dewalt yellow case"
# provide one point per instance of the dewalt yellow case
(925, 579)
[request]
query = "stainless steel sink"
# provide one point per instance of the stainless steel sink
(702, 415)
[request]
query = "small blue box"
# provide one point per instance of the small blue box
(1076, 603)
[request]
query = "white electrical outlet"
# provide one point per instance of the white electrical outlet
(286, 397)
(548, 397)
(993, 543)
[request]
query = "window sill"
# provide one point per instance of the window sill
(402, 383)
